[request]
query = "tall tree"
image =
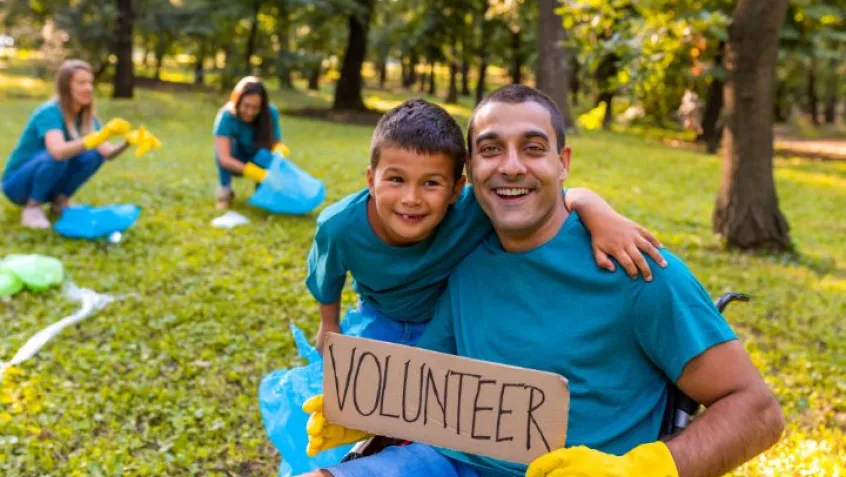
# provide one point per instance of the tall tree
(251, 37)
(124, 83)
(553, 72)
(484, 27)
(349, 86)
(747, 212)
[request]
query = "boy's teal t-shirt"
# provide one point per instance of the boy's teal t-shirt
(619, 342)
(402, 283)
(45, 118)
(241, 134)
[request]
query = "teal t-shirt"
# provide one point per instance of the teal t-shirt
(618, 341)
(45, 118)
(241, 134)
(402, 283)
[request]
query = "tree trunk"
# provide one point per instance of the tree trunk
(575, 81)
(251, 38)
(813, 100)
(781, 107)
(465, 67)
(553, 71)
(746, 211)
(412, 70)
(284, 33)
(383, 72)
(831, 94)
(432, 88)
(424, 79)
(483, 53)
(124, 83)
(452, 94)
(711, 131)
(606, 70)
(348, 89)
(199, 72)
(314, 77)
(160, 53)
(516, 58)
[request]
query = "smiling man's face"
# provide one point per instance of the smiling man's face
(516, 167)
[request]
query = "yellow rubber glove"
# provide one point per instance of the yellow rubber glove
(115, 127)
(647, 460)
(323, 435)
(282, 149)
(144, 140)
(254, 172)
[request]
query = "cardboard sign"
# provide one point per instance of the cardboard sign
(505, 412)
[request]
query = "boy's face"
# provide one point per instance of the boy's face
(411, 194)
(516, 168)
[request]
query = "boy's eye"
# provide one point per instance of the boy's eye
(431, 184)
(395, 179)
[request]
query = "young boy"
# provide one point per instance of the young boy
(402, 236)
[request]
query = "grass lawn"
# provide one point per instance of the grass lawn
(165, 383)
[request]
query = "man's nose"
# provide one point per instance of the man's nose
(512, 165)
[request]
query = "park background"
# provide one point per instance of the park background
(164, 381)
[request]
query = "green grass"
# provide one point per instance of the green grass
(166, 383)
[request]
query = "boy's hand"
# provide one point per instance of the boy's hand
(321, 434)
(615, 235)
(325, 328)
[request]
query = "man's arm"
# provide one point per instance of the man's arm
(742, 418)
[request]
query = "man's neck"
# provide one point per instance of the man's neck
(539, 236)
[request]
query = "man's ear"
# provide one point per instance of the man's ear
(467, 168)
(370, 179)
(459, 186)
(564, 156)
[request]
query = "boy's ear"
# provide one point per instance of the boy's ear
(370, 179)
(459, 186)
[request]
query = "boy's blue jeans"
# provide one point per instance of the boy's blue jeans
(43, 178)
(413, 460)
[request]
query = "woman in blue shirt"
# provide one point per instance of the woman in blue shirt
(61, 147)
(246, 124)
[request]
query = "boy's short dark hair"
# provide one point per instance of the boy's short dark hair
(422, 127)
(518, 93)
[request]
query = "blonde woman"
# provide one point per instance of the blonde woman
(61, 147)
(246, 124)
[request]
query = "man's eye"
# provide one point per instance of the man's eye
(488, 149)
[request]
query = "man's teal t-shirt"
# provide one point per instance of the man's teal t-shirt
(241, 134)
(402, 283)
(45, 118)
(619, 342)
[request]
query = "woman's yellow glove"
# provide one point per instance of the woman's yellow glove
(647, 460)
(323, 435)
(254, 172)
(115, 127)
(282, 149)
(144, 140)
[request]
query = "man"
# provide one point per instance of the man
(619, 342)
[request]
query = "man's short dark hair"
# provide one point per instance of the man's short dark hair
(422, 127)
(518, 93)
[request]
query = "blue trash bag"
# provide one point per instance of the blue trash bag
(283, 392)
(86, 222)
(287, 188)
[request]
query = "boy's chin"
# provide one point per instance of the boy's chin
(408, 235)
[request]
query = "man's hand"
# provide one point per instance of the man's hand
(115, 127)
(323, 435)
(615, 235)
(325, 328)
(647, 460)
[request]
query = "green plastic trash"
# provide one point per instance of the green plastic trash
(37, 272)
(9, 282)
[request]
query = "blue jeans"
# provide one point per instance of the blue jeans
(262, 158)
(413, 460)
(43, 178)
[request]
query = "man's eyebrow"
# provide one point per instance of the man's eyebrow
(486, 136)
(535, 133)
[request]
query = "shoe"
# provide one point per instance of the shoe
(224, 197)
(33, 217)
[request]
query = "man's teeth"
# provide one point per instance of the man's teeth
(512, 191)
